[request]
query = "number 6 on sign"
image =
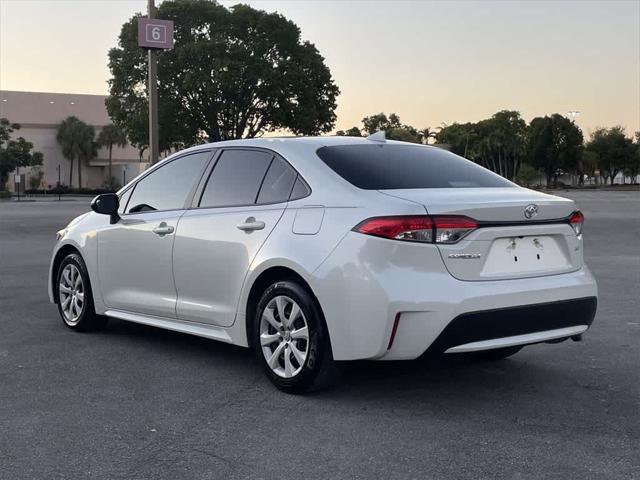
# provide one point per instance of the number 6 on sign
(154, 33)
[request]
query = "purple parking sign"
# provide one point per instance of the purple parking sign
(155, 33)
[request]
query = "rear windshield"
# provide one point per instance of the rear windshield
(390, 167)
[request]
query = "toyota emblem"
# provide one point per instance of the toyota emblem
(530, 211)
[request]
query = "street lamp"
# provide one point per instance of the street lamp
(572, 114)
(59, 185)
(154, 35)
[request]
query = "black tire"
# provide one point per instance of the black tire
(87, 320)
(318, 371)
(500, 353)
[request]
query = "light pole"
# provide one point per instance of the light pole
(572, 114)
(154, 35)
(59, 185)
(153, 94)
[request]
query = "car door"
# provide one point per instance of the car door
(243, 199)
(134, 254)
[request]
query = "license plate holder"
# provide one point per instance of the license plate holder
(515, 255)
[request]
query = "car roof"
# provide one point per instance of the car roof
(300, 152)
(270, 142)
(284, 145)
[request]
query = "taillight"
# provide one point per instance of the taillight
(453, 229)
(576, 220)
(419, 228)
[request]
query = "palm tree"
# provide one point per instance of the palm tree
(427, 133)
(88, 149)
(110, 136)
(70, 136)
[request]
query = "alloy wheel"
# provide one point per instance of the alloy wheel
(284, 336)
(71, 294)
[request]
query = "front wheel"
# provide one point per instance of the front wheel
(75, 301)
(291, 339)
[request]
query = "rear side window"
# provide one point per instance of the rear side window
(236, 178)
(390, 167)
(278, 182)
(168, 187)
(300, 189)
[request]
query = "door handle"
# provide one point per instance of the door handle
(251, 224)
(163, 229)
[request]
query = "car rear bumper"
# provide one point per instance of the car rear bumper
(520, 325)
(372, 289)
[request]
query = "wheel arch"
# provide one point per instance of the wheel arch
(262, 281)
(57, 260)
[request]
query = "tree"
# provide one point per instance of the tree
(427, 133)
(503, 140)
(75, 137)
(632, 168)
(497, 143)
(351, 132)
(233, 73)
(554, 144)
(14, 153)
(614, 149)
(109, 136)
(37, 174)
(88, 150)
(526, 175)
(393, 128)
(405, 133)
(588, 165)
(460, 138)
(379, 121)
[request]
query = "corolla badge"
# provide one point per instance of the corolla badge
(530, 211)
(466, 256)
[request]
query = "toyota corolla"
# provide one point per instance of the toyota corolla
(318, 250)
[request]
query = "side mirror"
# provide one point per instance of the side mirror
(107, 204)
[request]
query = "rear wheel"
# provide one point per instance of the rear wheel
(291, 339)
(75, 301)
(500, 353)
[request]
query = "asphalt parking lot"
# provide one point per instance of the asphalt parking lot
(134, 402)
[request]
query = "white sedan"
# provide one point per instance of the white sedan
(317, 250)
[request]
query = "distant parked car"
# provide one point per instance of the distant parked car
(316, 250)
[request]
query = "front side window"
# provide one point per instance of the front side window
(390, 167)
(124, 198)
(168, 187)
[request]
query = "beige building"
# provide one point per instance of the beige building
(39, 115)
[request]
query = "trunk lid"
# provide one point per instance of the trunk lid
(508, 244)
(487, 204)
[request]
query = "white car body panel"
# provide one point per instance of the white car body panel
(141, 280)
(211, 257)
(198, 279)
(384, 279)
(487, 204)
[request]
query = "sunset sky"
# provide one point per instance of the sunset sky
(430, 62)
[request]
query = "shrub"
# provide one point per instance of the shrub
(526, 175)
(112, 184)
(36, 177)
